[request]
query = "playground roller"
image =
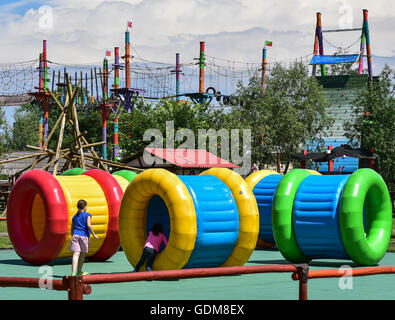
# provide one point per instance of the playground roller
(210, 220)
(263, 184)
(323, 216)
(39, 226)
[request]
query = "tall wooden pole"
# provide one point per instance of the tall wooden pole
(127, 59)
(41, 89)
(104, 107)
(368, 51)
(315, 50)
(178, 71)
(263, 70)
(201, 67)
(320, 42)
(116, 86)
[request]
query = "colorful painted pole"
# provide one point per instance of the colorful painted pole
(177, 71)
(263, 70)
(86, 95)
(127, 60)
(92, 95)
(201, 67)
(320, 42)
(97, 87)
(362, 51)
(41, 89)
(116, 86)
(64, 86)
(45, 106)
(316, 41)
(105, 79)
(368, 51)
(45, 64)
(105, 107)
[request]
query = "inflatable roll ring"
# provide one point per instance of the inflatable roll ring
(210, 220)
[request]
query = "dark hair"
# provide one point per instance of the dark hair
(81, 205)
(156, 228)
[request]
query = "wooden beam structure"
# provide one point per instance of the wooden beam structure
(76, 152)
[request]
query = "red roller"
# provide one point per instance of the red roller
(19, 217)
(113, 193)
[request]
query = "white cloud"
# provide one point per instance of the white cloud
(83, 30)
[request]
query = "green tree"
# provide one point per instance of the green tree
(373, 125)
(25, 127)
(289, 114)
(147, 115)
(4, 132)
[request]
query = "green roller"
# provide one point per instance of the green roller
(365, 246)
(73, 172)
(128, 175)
(283, 230)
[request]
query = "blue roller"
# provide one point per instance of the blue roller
(316, 216)
(264, 192)
(216, 215)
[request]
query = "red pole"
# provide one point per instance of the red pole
(371, 160)
(303, 162)
(330, 162)
(185, 273)
(337, 273)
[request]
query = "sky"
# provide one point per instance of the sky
(80, 31)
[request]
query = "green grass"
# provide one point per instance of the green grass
(5, 242)
(3, 226)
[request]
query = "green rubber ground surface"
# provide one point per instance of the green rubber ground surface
(240, 287)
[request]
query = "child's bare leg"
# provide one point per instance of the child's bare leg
(74, 262)
(81, 261)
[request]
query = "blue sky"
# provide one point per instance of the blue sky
(20, 7)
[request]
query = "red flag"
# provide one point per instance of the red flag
(129, 24)
(108, 53)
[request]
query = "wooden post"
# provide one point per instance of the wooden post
(278, 162)
(303, 162)
(75, 287)
(371, 160)
(303, 275)
(330, 162)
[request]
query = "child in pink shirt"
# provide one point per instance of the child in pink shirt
(151, 247)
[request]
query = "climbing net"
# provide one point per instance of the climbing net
(18, 78)
(154, 77)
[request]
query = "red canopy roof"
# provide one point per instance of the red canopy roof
(190, 158)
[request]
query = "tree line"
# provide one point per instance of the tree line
(291, 113)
